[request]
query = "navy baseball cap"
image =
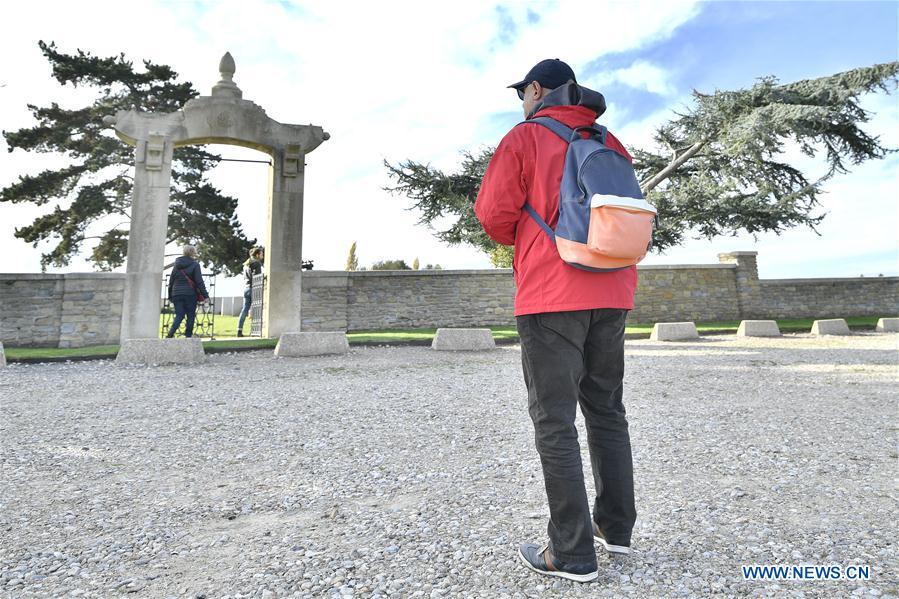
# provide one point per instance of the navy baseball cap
(550, 73)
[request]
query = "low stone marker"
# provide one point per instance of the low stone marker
(884, 325)
(299, 345)
(673, 331)
(157, 352)
(463, 340)
(830, 326)
(758, 328)
(2, 356)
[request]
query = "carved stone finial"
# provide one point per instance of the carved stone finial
(226, 67)
(226, 87)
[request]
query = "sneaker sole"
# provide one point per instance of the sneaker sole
(619, 549)
(557, 573)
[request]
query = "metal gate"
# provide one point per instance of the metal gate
(204, 325)
(256, 305)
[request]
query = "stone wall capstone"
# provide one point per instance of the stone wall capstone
(746, 275)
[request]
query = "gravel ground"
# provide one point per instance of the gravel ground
(408, 472)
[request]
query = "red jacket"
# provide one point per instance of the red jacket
(527, 166)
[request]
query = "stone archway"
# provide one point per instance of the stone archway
(223, 117)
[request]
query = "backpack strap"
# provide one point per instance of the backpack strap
(190, 281)
(540, 221)
(565, 132)
(193, 285)
(553, 125)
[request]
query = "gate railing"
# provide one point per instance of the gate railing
(256, 305)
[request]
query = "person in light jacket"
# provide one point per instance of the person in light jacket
(251, 268)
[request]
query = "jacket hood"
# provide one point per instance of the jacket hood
(184, 261)
(572, 94)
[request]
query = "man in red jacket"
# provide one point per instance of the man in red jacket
(571, 325)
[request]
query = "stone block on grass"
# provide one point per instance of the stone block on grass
(301, 345)
(758, 328)
(673, 331)
(830, 326)
(157, 352)
(888, 325)
(463, 340)
(2, 356)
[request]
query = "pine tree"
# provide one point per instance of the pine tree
(721, 171)
(415, 264)
(90, 199)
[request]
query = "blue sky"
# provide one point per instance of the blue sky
(419, 81)
(728, 45)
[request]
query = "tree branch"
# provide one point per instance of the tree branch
(663, 174)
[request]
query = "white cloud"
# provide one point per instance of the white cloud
(640, 74)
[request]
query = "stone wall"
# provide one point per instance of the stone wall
(675, 293)
(334, 301)
(85, 309)
(822, 298)
(728, 291)
(324, 301)
(364, 300)
(30, 309)
(91, 309)
(70, 310)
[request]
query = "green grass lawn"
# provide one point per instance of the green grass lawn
(226, 326)
(40, 353)
(421, 335)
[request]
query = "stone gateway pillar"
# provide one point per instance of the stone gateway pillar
(223, 117)
(146, 240)
(283, 257)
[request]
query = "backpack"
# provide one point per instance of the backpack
(604, 222)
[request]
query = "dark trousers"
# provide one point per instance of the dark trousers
(185, 305)
(247, 304)
(572, 358)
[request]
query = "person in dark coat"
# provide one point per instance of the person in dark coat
(185, 289)
(251, 268)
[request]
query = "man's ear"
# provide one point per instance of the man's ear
(539, 90)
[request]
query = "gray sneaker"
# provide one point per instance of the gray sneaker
(533, 557)
(609, 547)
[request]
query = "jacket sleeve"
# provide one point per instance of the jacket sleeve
(502, 194)
(172, 281)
